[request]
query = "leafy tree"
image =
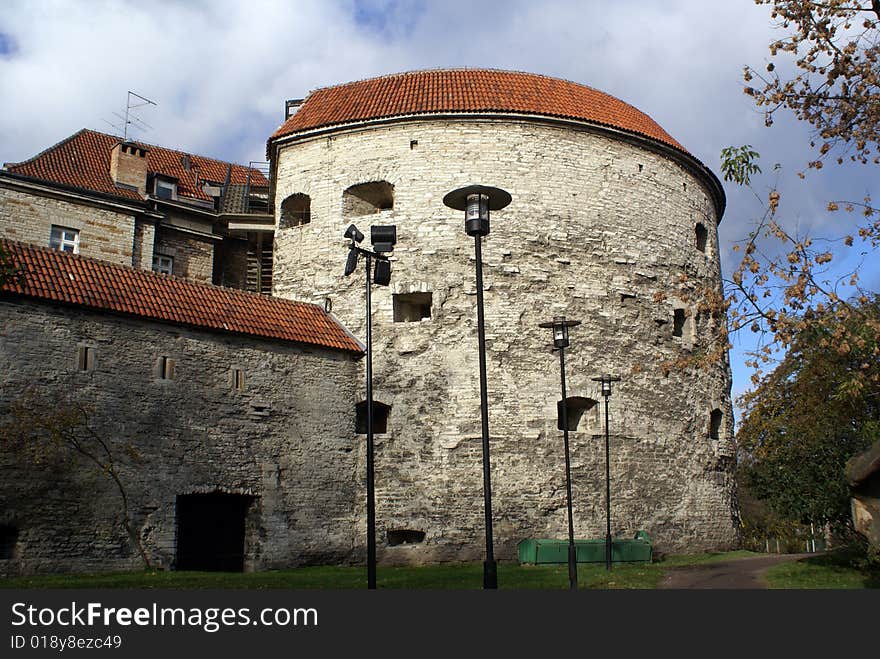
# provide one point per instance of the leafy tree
(39, 429)
(804, 421)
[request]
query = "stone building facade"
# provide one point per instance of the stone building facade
(219, 409)
(612, 223)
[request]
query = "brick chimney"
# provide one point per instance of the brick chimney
(128, 166)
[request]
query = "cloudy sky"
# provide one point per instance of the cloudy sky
(220, 71)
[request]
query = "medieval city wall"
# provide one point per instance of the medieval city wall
(286, 439)
(601, 229)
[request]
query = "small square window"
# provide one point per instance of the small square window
(412, 307)
(163, 264)
(64, 239)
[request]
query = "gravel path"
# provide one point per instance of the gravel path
(739, 573)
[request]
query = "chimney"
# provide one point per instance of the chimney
(128, 166)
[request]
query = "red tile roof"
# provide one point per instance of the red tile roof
(57, 276)
(83, 161)
(465, 91)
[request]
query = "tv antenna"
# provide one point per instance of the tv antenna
(131, 119)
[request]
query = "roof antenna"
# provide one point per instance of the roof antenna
(130, 118)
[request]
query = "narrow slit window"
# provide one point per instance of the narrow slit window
(716, 419)
(701, 236)
(85, 358)
(165, 368)
(237, 379)
(678, 321)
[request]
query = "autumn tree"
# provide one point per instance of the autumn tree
(803, 422)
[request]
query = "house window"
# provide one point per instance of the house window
(678, 321)
(163, 264)
(716, 418)
(85, 358)
(380, 417)
(237, 379)
(410, 307)
(166, 189)
(165, 368)
(64, 239)
(295, 211)
(701, 235)
(367, 198)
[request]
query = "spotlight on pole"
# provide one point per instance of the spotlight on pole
(560, 326)
(476, 201)
(383, 239)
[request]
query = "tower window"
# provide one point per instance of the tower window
(716, 418)
(296, 210)
(164, 368)
(701, 235)
(412, 307)
(678, 321)
(367, 198)
(380, 417)
(85, 358)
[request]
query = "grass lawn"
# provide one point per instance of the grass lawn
(836, 569)
(458, 576)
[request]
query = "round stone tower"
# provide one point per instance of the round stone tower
(612, 223)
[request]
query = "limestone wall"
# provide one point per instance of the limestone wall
(193, 256)
(287, 439)
(103, 233)
(599, 230)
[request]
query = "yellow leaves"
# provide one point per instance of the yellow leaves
(773, 200)
(848, 241)
(832, 206)
(823, 258)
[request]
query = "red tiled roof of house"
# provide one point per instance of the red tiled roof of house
(51, 275)
(83, 161)
(467, 91)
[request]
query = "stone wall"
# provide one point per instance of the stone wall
(287, 439)
(193, 256)
(103, 233)
(600, 230)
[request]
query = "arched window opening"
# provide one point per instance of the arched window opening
(295, 211)
(367, 198)
(380, 417)
(576, 406)
(701, 235)
(716, 419)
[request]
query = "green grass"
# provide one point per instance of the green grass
(455, 576)
(836, 569)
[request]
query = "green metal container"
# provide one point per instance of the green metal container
(542, 551)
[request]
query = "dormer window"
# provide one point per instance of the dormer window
(165, 189)
(64, 239)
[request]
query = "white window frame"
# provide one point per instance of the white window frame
(61, 238)
(164, 268)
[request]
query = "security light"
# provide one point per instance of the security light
(353, 234)
(383, 238)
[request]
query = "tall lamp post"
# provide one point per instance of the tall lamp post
(476, 201)
(383, 239)
(560, 326)
(606, 381)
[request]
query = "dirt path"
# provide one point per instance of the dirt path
(738, 573)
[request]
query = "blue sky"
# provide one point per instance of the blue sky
(220, 72)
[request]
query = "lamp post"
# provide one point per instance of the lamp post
(383, 239)
(560, 326)
(606, 381)
(476, 201)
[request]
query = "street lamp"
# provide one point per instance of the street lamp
(383, 239)
(560, 326)
(476, 201)
(606, 381)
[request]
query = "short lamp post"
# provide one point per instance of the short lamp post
(606, 381)
(476, 201)
(383, 239)
(560, 326)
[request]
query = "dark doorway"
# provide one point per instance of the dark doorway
(210, 531)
